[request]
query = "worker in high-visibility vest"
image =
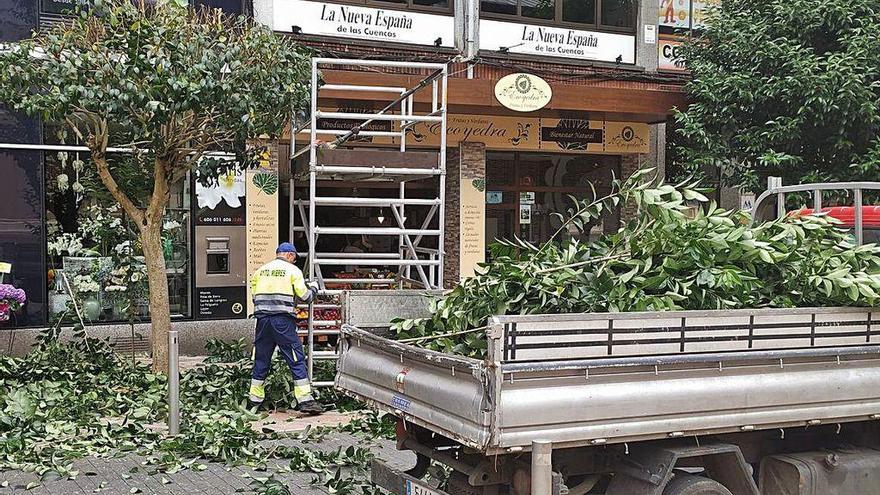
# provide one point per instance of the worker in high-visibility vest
(276, 287)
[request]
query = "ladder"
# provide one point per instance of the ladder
(416, 265)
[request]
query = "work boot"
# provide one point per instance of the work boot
(254, 406)
(310, 407)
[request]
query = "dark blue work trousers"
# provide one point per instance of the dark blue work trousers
(278, 331)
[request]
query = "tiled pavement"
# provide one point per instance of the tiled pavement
(115, 476)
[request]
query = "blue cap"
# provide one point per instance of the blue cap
(285, 247)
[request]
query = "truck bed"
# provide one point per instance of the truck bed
(593, 379)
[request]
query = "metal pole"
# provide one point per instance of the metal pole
(173, 384)
(542, 467)
(858, 220)
(311, 339)
(442, 218)
(313, 161)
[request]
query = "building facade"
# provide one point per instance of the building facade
(546, 99)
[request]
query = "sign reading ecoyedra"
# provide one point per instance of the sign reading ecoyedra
(349, 21)
(523, 92)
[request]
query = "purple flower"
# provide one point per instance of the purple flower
(11, 294)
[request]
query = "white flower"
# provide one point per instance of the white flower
(171, 225)
(79, 165)
(77, 187)
(115, 288)
(122, 247)
(135, 277)
(62, 182)
(62, 156)
(230, 188)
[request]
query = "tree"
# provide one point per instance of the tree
(785, 87)
(169, 83)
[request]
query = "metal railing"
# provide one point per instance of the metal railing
(775, 188)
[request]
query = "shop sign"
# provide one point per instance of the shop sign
(523, 92)
(675, 13)
(548, 41)
(494, 197)
(627, 137)
(670, 56)
(527, 197)
(366, 23)
(494, 132)
(571, 134)
(512, 133)
(262, 220)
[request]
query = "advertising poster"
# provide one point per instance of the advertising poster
(700, 10)
(222, 203)
(473, 226)
(220, 247)
(670, 57)
(262, 220)
(675, 13)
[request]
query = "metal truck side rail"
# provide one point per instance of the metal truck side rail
(647, 388)
(442, 392)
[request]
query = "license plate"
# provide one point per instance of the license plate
(414, 488)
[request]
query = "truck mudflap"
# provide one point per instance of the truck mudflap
(400, 483)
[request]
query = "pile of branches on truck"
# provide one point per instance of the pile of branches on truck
(671, 255)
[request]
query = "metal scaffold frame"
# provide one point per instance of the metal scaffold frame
(427, 263)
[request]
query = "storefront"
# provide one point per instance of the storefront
(558, 99)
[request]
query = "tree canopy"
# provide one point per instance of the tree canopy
(170, 85)
(788, 88)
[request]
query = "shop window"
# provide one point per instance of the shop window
(441, 6)
(93, 249)
(614, 15)
(619, 13)
(579, 11)
(539, 9)
(542, 185)
(500, 6)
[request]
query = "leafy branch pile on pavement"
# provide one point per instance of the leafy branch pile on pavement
(68, 400)
(664, 259)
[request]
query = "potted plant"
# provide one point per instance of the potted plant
(11, 300)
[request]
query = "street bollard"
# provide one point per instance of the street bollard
(173, 384)
(542, 467)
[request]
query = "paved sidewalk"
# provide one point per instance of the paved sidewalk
(128, 475)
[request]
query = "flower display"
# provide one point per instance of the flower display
(11, 300)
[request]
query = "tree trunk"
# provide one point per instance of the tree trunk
(160, 313)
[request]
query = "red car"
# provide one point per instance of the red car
(847, 215)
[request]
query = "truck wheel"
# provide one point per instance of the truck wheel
(688, 484)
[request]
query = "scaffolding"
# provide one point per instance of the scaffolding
(417, 266)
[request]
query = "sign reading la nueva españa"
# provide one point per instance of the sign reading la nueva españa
(557, 42)
(366, 23)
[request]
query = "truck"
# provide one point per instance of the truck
(721, 402)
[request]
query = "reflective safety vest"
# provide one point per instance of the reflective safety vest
(275, 288)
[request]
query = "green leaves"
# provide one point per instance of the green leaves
(266, 182)
(795, 95)
(661, 260)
